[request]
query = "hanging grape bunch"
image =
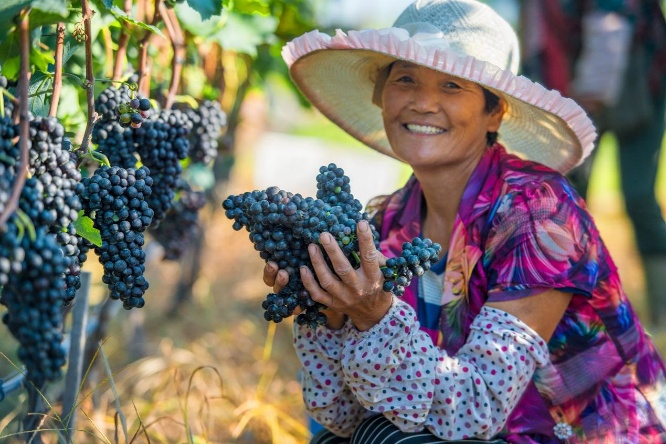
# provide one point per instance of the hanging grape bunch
(116, 199)
(282, 225)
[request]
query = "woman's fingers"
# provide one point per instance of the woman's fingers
(270, 273)
(369, 255)
(281, 280)
(316, 292)
(341, 266)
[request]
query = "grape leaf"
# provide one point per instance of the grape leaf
(42, 12)
(206, 8)
(243, 33)
(122, 15)
(84, 228)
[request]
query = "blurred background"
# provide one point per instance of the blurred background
(198, 363)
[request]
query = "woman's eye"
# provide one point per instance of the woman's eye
(404, 79)
(452, 85)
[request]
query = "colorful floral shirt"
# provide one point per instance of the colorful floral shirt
(522, 229)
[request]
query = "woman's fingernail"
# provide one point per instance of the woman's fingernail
(325, 238)
(312, 248)
(304, 270)
(269, 267)
(363, 226)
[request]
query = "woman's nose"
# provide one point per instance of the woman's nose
(425, 101)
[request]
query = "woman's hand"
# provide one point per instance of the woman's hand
(278, 279)
(356, 293)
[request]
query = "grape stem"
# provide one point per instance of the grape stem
(24, 128)
(179, 48)
(89, 84)
(57, 81)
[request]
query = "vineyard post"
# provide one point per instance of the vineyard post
(76, 353)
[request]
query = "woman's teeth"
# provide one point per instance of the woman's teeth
(424, 129)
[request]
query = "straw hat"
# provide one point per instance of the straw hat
(463, 38)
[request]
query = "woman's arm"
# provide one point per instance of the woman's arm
(327, 397)
(542, 312)
(394, 369)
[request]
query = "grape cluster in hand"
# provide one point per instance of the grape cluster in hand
(283, 224)
(117, 196)
(415, 259)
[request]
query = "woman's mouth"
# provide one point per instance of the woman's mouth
(423, 129)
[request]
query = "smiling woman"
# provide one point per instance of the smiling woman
(496, 340)
(433, 118)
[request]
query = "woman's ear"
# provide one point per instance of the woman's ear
(380, 82)
(496, 115)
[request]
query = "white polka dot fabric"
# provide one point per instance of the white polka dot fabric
(394, 369)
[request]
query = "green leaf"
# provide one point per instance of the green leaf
(191, 20)
(41, 59)
(40, 93)
(42, 12)
(122, 15)
(85, 228)
(205, 8)
(11, 67)
(252, 7)
(243, 33)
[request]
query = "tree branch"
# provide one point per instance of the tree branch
(179, 49)
(123, 40)
(90, 76)
(144, 68)
(24, 122)
(57, 81)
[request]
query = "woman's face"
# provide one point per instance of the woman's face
(433, 119)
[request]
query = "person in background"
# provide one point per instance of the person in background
(521, 332)
(610, 55)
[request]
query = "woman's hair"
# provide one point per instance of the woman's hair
(492, 100)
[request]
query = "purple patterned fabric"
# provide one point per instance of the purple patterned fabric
(522, 229)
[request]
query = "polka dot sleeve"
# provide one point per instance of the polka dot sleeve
(327, 398)
(394, 369)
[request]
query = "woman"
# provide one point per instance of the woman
(522, 333)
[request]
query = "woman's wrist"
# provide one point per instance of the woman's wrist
(364, 322)
(336, 320)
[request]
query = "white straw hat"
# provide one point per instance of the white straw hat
(463, 38)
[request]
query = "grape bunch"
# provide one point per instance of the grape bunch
(415, 259)
(208, 121)
(32, 295)
(282, 225)
(55, 204)
(8, 158)
(116, 143)
(181, 223)
(162, 142)
(116, 199)
(110, 99)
